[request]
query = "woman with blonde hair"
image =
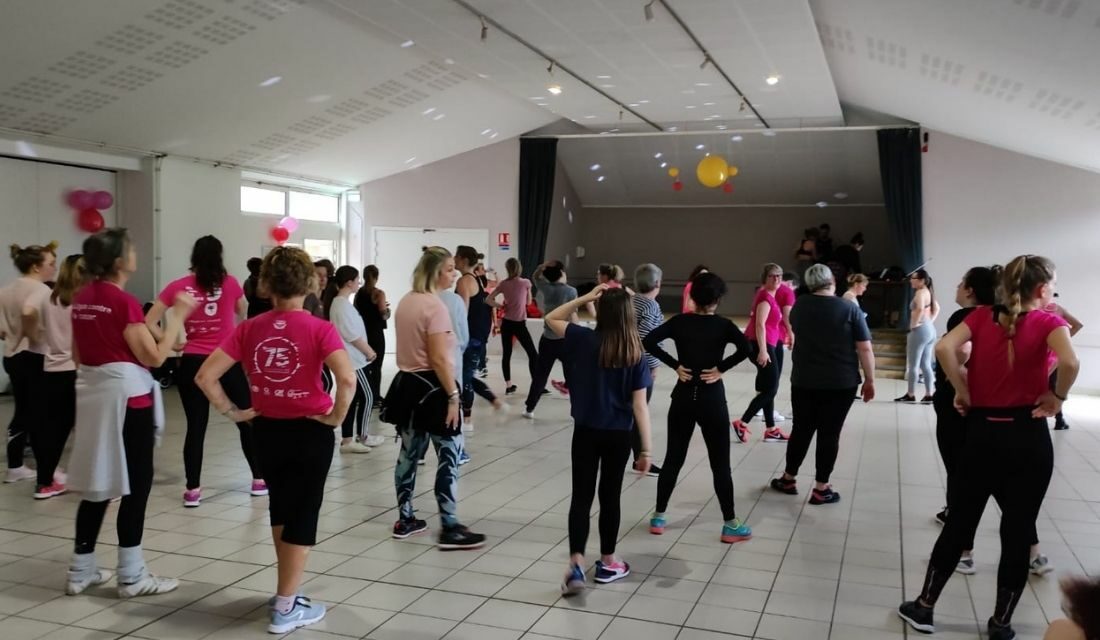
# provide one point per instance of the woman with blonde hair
(857, 286)
(921, 339)
(517, 295)
(763, 333)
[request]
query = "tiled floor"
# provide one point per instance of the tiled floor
(809, 573)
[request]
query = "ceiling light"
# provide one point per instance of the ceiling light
(643, 102)
(688, 92)
(700, 146)
(822, 204)
(484, 29)
(689, 106)
(722, 127)
(427, 111)
(736, 138)
(664, 164)
(716, 116)
(483, 76)
(495, 134)
(448, 61)
(589, 117)
(635, 104)
(614, 130)
(554, 89)
(674, 129)
(708, 104)
(439, 116)
(840, 195)
(607, 86)
(769, 133)
(603, 77)
(595, 167)
(772, 80)
(600, 179)
(486, 132)
(702, 84)
(658, 155)
(648, 10)
(406, 44)
(411, 160)
(318, 99)
(271, 81)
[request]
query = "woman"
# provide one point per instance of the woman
(1082, 621)
(282, 352)
(806, 255)
(608, 382)
(456, 311)
(1008, 453)
(258, 302)
(516, 291)
(833, 344)
(21, 305)
(554, 291)
(479, 320)
(612, 275)
(1075, 326)
(699, 397)
(919, 344)
(685, 302)
(326, 286)
(220, 306)
(763, 333)
(423, 401)
(374, 309)
(857, 286)
(349, 325)
(119, 413)
(59, 377)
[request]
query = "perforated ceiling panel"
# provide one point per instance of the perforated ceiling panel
(36, 90)
(82, 65)
(224, 30)
(177, 54)
(179, 14)
(87, 101)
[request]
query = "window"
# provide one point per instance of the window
(303, 205)
(269, 201)
(314, 206)
(321, 249)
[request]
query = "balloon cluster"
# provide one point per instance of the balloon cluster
(88, 205)
(281, 232)
(712, 171)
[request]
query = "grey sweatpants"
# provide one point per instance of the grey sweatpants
(919, 346)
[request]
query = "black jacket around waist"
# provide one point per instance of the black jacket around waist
(416, 399)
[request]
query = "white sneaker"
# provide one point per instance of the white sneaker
(150, 585)
(304, 613)
(530, 415)
(354, 447)
(76, 585)
(374, 441)
(467, 425)
(1040, 565)
(778, 417)
(20, 473)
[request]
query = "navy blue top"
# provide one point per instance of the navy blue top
(600, 398)
(480, 315)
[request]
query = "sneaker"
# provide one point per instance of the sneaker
(657, 525)
(653, 472)
(941, 517)
(1040, 565)
(775, 435)
(918, 617)
(42, 492)
(741, 430)
(1060, 425)
(999, 631)
(735, 532)
(420, 462)
(824, 496)
(481, 373)
(606, 573)
(778, 417)
(782, 485)
(460, 537)
(259, 488)
(467, 424)
(530, 415)
(560, 387)
(574, 581)
(463, 458)
(373, 441)
(76, 585)
(404, 528)
(150, 585)
(966, 566)
(354, 447)
(510, 390)
(302, 614)
(906, 398)
(544, 392)
(20, 473)
(192, 497)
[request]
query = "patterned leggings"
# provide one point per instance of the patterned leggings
(414, 444)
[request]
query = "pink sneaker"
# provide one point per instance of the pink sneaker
(775, 435)
(560, 387)
(259, 488)
(48, 491)
(192, 497)
(741, 430)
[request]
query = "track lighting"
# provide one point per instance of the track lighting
(741, 109)
(484, 29)
(648, 8)
(550, 68)
(705, 62)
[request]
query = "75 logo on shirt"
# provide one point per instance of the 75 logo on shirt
(276, 359)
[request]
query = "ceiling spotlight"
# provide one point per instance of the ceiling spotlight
(271, 81)
(595, 167)
(600, 179)
(658, 155)
(643, 102)
(484, 29)
(406, 44)
(607, 86)
(554, 89)
(411, 160)
(648, 10)
(439, 116)
(772, 80)
(769, 133)
(700, 147)
(741, 109)
(486, 132)
(722, 127)
(448, 60)
(550, 68)
(840, 195)
(705, 62)
(604, 77)
(702, 84)
(620, 114)
(589, 117)
(736, 138)
(427, 111)
(674, 129)
(822, 204)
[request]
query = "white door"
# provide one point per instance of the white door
(396, 250)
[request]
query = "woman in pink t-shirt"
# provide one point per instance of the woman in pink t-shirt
(686, 303)
(764, 332)
(293, 417)
(1008, 453)
(221, 304)
(517, 295)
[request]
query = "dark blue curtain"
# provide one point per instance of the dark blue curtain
(537, 162)
(899, 160)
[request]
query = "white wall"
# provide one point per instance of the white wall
(984, 205)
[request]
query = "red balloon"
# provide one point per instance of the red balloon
(102, 200)
(80, 200)
(90, 220)
(676, 186)
(280, 235)
(728, 187)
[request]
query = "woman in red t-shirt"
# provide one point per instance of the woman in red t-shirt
(764, 333)
(1008, 453)
(282, 352)
(686, 303)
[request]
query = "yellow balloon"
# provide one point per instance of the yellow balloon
(673, 172)
(712, 171)
(733, 171)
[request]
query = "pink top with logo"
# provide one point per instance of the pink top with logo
(282, 353)
(101, 312)
(784, 297)
(213, 318)
(771, 324)
(418, 316)
(515, 292)
(995, 379)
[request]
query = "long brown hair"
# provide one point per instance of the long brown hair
(70, 278)
(1081, 595)
(620, 345)
(1018, 282)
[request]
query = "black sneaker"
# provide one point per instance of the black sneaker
(404, 528)
(1060, 425)
(999, 631)
(510, 390)
(459, 537)
(927, 400)
(906, 398)
(545, 392)
(826, 496)
(782, 485)
(941, 517)
(918, 617)
(653, 472)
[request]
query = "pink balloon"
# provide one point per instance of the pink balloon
(290, 224)
(102, 200)
(80, 200)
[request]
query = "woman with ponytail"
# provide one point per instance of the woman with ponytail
(922, 336)
(1007, 454)
(353, 332)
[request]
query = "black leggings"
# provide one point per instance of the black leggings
(295, 455)
(358, 416)
(549, 351)
(197, 410)
(635, 435)
(705, 406)
(767, 384)
(25, 371)
(822, 411)
(59, 393)
(138, 438)
(601, 452)
(1008, 456)
(374, 371)
(516, 329)
(950, 438)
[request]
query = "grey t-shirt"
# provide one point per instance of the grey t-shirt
(826, 329)
(554, 295)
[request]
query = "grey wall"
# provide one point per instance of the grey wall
(564, 236)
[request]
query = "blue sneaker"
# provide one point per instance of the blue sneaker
(574, 582)
(657, 525)
(735, 532)
(303, 613)
(463, 457)
(606, 573)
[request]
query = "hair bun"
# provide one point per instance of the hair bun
(15, 250)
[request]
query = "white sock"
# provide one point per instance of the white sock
(283, 604)
(131, 564)
(82, 565)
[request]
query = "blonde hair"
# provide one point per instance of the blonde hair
(513, 267)
(1018, 282)
(70, 278)
(287, 272)
(427, 270)
(857, 278)
(769, 267)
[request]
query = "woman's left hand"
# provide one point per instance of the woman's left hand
(242, 415)
(1048, 405)
(710, 376)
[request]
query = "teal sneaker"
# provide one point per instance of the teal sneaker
(303, 613)
(657, 525)
(736, 532)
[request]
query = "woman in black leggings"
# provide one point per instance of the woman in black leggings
(1008, 453)
(699, 397)
(517, 295)
(764, 332)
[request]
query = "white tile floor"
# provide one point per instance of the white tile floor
(809, 573)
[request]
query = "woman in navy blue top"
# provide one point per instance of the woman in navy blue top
(608, 379)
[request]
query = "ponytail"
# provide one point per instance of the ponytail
(29, 257)
(1018, 282)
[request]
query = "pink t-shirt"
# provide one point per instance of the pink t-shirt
(687, 305)
(993, 378)
(418, 316)
(784, 297)
(773, 321)
(213, 318)
(515, 292)
(282, 353)
(101, 311)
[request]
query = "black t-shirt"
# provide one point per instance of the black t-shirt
(847, 255)
(826, 330)
(700, 344)
(943, 385)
